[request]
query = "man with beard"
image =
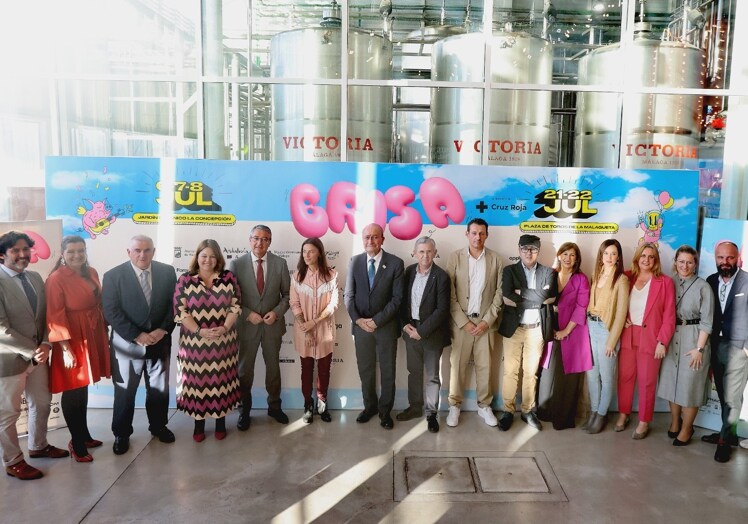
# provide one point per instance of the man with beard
(729, 343)
(24, 351)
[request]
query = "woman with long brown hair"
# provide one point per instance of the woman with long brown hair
(80, 352)
(606, 316)
(314, 298)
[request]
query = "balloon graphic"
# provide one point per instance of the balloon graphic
(666, 201)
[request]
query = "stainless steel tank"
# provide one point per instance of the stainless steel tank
(519, 125)
(658, 131)
(415, 62)
(306, 118)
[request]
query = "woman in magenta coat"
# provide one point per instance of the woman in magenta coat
(570, 354)
(649, 327)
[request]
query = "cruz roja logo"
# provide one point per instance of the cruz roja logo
(561, 203)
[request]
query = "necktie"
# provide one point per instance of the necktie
(260, 277)
(146, 286)
(371, 272)
(29, 290)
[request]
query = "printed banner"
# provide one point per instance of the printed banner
(180, 202)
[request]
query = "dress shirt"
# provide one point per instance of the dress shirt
(477, 274)
(377, 261)
(255, 264)
(416, 293)
(724, 290)
(138, 271)
(530, 316)
(13, 276)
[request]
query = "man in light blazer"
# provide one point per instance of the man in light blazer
(527, 287)
(424, 315)
(475, 274)
(137, 300)
(729, 343)
(265, 286)
(373, 294)
(24, 351)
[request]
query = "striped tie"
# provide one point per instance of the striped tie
(146, 285)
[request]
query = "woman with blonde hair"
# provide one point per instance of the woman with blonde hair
(645, 338)
(684, 375)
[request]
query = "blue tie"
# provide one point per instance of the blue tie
(29, 290)
(371, 272)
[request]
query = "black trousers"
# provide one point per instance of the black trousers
(126, 374)
(74, 404)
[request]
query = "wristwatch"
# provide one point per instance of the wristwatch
(700, 350)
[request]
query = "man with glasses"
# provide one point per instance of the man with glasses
(475, 303)
(527, 288)
(265, 290)
(729, 343)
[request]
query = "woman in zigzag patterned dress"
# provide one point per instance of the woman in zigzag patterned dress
(207, 304)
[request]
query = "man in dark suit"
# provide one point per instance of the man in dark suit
(24, 351)
(266, 289)
(729, 343)
(527, 287)
(424, 315)
(137, 300)
(373, 293)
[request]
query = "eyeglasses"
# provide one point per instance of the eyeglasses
(260, 239)
(527, 249)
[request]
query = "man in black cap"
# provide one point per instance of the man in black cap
(527, 287)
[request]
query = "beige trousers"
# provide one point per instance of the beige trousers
(523, 350)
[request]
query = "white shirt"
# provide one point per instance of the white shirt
(477, 274)
(530, 316)
(416, 293)
(724, 290)
(255, 264)
(638, 303)
(377, 261)
(138, 272)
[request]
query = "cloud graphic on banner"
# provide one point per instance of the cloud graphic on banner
(470, 187)
(635, 177)
(76, 179)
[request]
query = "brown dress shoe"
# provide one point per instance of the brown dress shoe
(23, 471)
(49, 452)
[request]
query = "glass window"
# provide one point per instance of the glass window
(118, 118)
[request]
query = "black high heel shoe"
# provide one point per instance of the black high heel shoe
(680, 443)
(673, 434)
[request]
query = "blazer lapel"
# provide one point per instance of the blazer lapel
(735, 287)
(655, 288)
(18, 292)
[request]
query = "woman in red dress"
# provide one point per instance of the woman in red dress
(80, 346)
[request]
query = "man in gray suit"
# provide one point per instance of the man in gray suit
(729, 343)
(24, 351)
(137, 301)
(527, 287)
(266, 289)
(424, 316)
(373, 293)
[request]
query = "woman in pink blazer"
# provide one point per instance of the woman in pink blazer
(568, 357)
(649, 327)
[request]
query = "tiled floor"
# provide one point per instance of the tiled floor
(347, 472)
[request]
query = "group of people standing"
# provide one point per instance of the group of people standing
(556, 325)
